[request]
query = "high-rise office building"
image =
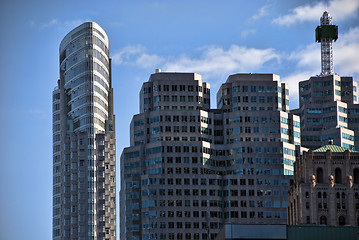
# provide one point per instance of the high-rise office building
(84, 155)
(328, 103)
(191, 169)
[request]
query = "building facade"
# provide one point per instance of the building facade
(328, 103)
(191, 169)
(84, 154)
(326, 188)
(329, 110)
(287, 232)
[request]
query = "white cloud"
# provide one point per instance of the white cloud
(307, 58)
(213, 61)
(346, 58)
(137, 55)
(247, 32)
(263, 11)
(149, 60)
(74, 23)
(339, 9)
(216, 61)
(56, 23)
(50, 23)
(124, 55)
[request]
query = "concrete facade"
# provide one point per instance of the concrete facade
(84, 153)
(191, 169)
(326, 188)
(329, 110)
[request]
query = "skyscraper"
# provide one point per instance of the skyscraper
(84, 154)
(191, 169)
(328, 103)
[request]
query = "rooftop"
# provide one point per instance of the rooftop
(333, 148)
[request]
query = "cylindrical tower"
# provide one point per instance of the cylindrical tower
(325, 34)
(85, 73)
(87, 160)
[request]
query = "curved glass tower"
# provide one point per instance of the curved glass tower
(84, 141)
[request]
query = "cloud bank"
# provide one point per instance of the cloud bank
(212, 60)
(340, 9)
(215, 63)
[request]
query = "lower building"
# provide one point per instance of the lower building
(253, 231)
(287, 232)
(326, 188)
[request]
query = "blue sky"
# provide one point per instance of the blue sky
(212, 38)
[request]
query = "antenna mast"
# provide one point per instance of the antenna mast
(325, 34)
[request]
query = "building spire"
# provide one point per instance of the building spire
(325, 34)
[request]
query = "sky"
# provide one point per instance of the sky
(212, 38)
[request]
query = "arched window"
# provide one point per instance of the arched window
(319, 175)
(356, 175)
(338, 175)
(341, 221)
(319, 194)
(323, 220)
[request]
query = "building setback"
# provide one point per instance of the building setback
(326, 188)
(84, 155)
(328, 103)
(191, 169)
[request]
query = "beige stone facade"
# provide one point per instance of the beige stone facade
(326, 188)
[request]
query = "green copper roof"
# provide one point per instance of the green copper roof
(332, 148)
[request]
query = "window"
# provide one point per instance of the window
(356, 175)
(319, 175)
(338, 175)
(341, 221)
(323, 220)
(179, 225)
